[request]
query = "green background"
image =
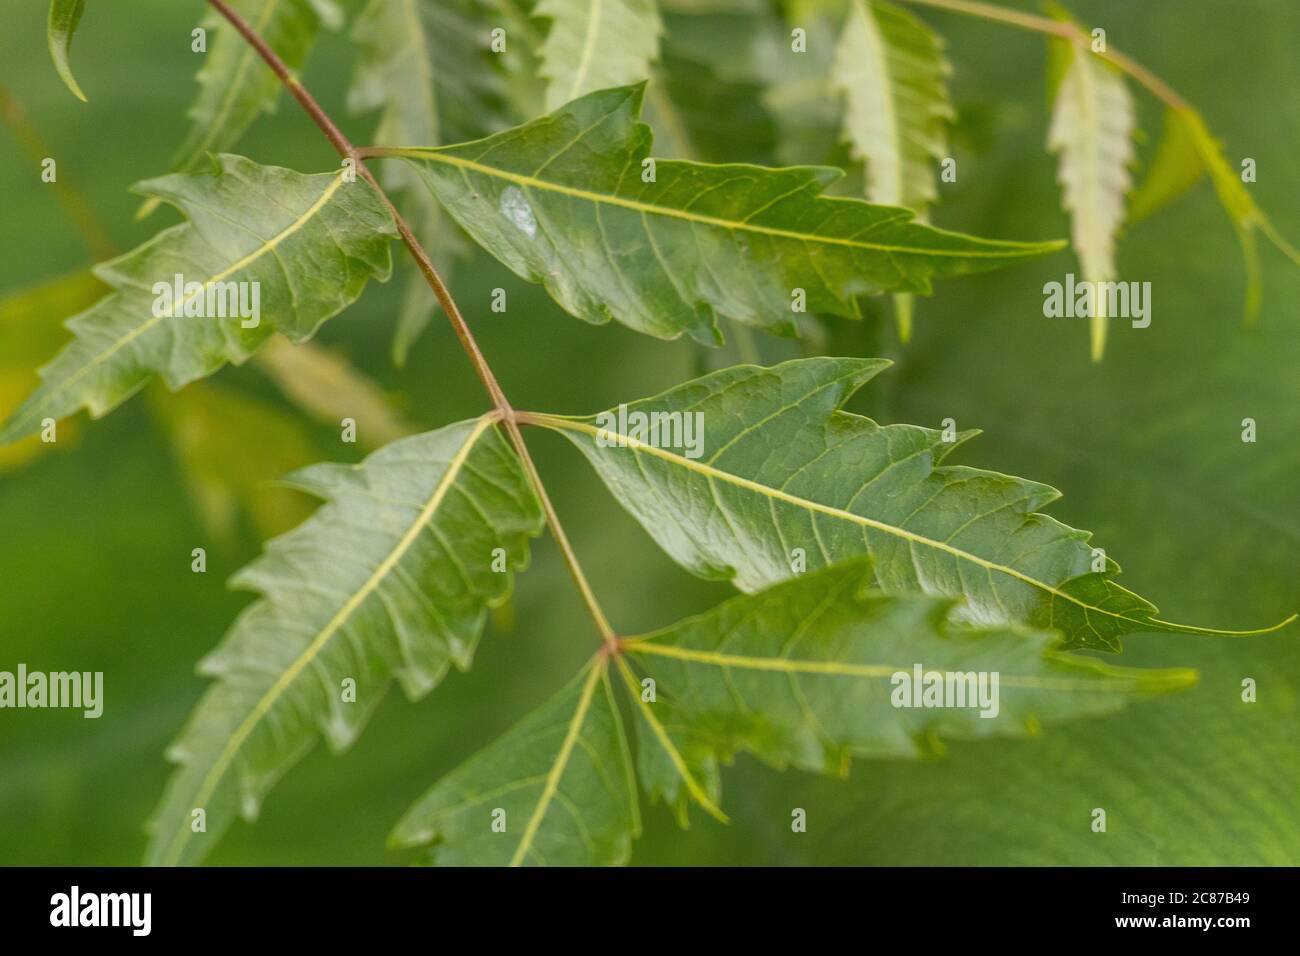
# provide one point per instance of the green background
(95, 539)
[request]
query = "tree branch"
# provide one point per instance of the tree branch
(345, 149)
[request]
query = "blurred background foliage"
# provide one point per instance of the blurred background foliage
(96, 535)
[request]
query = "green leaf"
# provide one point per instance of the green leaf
(427, 67)
(228, 446)
(310, 242)
(563, 201)
(1092, 131)
(1176, 168)
(235, 85)
(31, 329)
(778, 467)
(329, 388)
(560, 781)
(390, 579)
(807, 674)
(62, 24)
(596, 44)
(890, 68)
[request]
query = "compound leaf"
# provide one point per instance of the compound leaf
(819, 670)
(307, 243)
(390, 579)
(751, 471)
(558, 786)
(573, 200)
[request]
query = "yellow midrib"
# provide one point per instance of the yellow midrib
(842, 669)
(257, 253)
(624, 202)
(268, 699)
(561, 761)
(552, 421)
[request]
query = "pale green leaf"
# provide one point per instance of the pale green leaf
(1092, 131)
(780, 475)
(426, 65)
(235, 85)
(565, 201)
(890, 69)
(806, 674)
(310, 242)
(329, 388)
(1176, 168)
(230, 446)
(391, 578)
(559, 782)
(62, 24)
(596, 44)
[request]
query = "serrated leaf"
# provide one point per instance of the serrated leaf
(60, 26)
(235, 85)
(1092, 131)
(890, 68)
(311, 242)
(563, 201)
(891, 71)
(780, 468)
(596, 44)
(806, 674)
(560, 782)
(391, 578)
(427, 67)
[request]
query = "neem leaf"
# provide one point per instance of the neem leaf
(556, 789)
(753, 472)
(235, 86)
(573, 200)
(390, 579)
(596, 44)
(1092, 130)
(819, 670)
(305, 245)
(890, 69)
(59, 28)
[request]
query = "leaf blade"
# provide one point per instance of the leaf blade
(246, 224)
(810, 673)
(787, 465)
(595, 44)
(563, 201)
(60, 26)
(279, 681)
(1092, 132)
(535, 766)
